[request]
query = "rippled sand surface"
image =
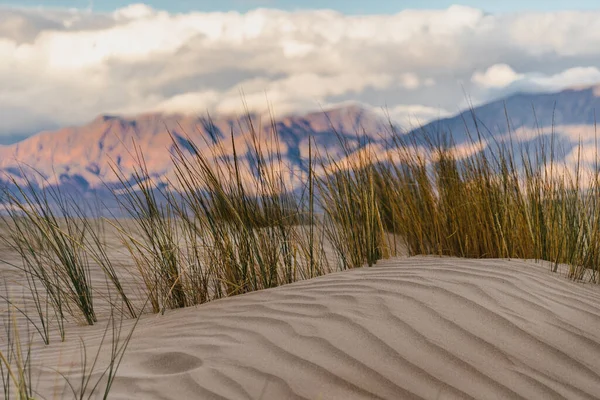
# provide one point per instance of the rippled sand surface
(423, 327)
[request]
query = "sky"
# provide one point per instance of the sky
(344, 6)
(65, 63)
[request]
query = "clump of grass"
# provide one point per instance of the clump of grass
(15, 360)
(43, 285)
(16, 354)
(348, 196)
(242, 210)
(226, 224)
(154, 246)
(481, 198)
(51, 246)
(58, 243)
(491, 199)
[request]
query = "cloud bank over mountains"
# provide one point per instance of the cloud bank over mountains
(62, 67)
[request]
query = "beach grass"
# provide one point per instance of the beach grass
(233, 218)
(17, 369)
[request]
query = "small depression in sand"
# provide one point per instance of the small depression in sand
(169, 363)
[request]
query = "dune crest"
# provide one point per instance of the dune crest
(423, 327)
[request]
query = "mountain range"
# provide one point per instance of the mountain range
(569, 113)
(81, 156)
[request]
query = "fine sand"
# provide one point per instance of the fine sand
(423, 327)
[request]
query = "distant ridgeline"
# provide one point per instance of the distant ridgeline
(90, 161)
(82, 161)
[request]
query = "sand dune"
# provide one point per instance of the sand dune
(409, 328)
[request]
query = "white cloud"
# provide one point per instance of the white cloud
(297, 92)
(496, 76)
(65, 67)
(500, 76)
(410, 81)
(134, 11)
(578, 76)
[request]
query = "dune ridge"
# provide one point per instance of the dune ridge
(421, 327)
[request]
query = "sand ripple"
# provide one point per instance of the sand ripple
(409, 328)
